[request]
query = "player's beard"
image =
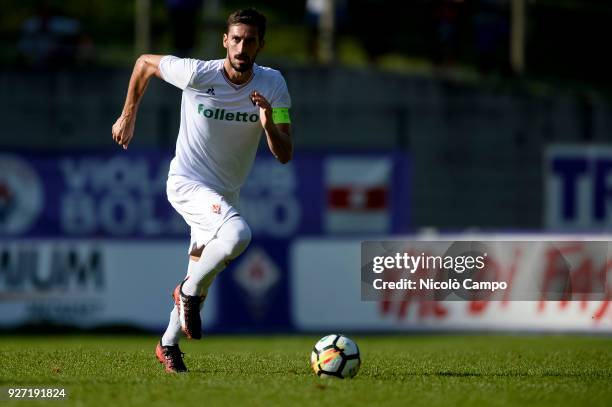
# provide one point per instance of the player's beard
(246, 64)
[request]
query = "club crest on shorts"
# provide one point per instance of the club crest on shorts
(216, 208)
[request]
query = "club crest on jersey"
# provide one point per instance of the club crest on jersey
(221, 114)
(216, 208)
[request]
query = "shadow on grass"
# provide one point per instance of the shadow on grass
(453, 374)
(602, 375)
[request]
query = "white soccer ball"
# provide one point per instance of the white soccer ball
(335, 356)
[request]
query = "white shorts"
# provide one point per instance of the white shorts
(204, 209)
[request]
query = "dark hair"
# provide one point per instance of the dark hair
(248, 16)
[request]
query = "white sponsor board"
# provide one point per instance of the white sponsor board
(89, 283)
(326, 283)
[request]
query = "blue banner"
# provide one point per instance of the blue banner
(123, 195)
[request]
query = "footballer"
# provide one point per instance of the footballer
(225, 105)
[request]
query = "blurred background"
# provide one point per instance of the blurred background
(410, 118)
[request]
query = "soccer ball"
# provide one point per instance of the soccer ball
(335, 356)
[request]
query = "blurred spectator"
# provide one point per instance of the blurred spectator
(376, 24)
(183, 21)
(492, 26)
(51, 40)
(446, 14)
(86, 49)
(314, 9)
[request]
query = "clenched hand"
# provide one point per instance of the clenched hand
(123, 130)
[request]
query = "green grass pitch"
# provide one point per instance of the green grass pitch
(471, 370)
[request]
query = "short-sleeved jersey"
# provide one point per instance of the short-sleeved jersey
(220, 128)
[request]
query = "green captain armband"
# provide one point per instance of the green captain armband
(280, 115)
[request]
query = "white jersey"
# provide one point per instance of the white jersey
(220, 127)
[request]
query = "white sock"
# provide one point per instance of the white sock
(173, 332)
(231, 240)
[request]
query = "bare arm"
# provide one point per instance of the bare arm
(145, 67)
(279, 142)
(277, 135)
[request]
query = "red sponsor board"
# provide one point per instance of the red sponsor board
(358, 194)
